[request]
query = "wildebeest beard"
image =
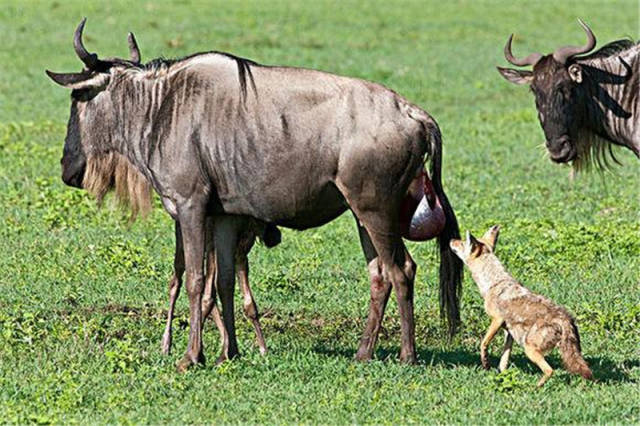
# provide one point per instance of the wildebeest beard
(112, 171)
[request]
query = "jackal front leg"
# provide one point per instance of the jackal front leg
(495, 325)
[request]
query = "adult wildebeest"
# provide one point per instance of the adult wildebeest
(218, 135)
(585, 103)
(110, 170)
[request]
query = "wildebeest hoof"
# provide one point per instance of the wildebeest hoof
(363, 355)
(409, 359)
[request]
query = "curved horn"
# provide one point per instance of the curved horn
(134, 51)
(529, 60)
(89, 59)
(562, 54)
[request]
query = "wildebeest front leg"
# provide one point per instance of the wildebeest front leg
(174, 288)
(225, 240)
(192, 224)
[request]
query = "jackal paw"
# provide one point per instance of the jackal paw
(485, 363)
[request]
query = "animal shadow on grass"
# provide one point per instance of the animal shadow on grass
(604, 369)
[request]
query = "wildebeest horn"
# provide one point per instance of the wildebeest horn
(562, 54)
(529, 60)
(89, 59)
(134, 51)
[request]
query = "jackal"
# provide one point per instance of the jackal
(534, 321)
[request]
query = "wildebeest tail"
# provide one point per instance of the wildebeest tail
(571, 351)
(451, 266)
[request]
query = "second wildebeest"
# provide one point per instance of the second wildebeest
(585, 103)
(218, 135)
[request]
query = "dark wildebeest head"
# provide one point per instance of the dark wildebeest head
(555, 82)
(578, 98)
(88, 160)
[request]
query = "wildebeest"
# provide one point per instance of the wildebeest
(585, 103)
(218, 135)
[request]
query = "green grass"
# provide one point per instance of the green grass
(83, 295)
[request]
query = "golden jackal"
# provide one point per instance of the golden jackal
(534, 321)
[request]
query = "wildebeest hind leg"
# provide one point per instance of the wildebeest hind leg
(397, 269)
(380, 291)
(174, 289)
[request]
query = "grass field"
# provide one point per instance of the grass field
(83, 294)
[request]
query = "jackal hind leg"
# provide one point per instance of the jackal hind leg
(496, 324)
(506, 351)
(538, 358)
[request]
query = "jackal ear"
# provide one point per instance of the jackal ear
(490, 238)
(516, 76)
(473, 245)
(457, 247)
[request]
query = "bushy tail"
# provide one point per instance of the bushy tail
(451, 266)
(571, 351)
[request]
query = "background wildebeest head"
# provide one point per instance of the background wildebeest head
(88, 160)
(556, 82)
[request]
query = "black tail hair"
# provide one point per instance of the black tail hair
(451, 267)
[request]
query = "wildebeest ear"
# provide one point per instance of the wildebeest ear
(80, 80)
(575, 72)
(516, 76)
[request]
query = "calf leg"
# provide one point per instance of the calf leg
(495, 325)
(209, 304)
(174, 289)
(506, 351)
(226, 238)
(249, 305)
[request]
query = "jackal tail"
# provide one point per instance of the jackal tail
(571, 351)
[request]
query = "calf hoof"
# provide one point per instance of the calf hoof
(166, 346)
(224, 356)
(186, 362)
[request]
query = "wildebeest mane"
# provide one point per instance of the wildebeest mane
(112, 171)
(609, 49)
(244, 67)
(595, 150)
